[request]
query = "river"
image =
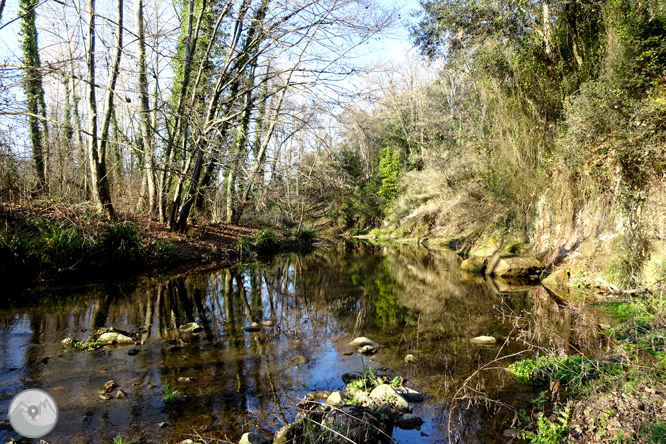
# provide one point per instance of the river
(409, 300)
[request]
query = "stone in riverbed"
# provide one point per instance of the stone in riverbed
(253, 327)
(299, 360)
(362, 342)
(409, 394)
(335, 399)
(318, 394)
(192, 327)
(252, 438)
(267, 323)
(286, 434)
(115, 338)
(483, 340)
(474, 264)
(410, 358)
(557, 279)
(67, 342)
(367, 350)
(506, 264)
(409, 421)
(386, 393)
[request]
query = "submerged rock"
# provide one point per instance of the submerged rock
(299, 360)
(410, 358)
(362, 342)
(267, 323)
(192, 327)
(483, 340)
(253, 327)
(121, 395)
(115, 338)
(409, 421)
(252, 438)
(318, 394)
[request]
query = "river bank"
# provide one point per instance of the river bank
(49, 241)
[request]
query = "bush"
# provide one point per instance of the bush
(121, 244)
(244, 247)
(307, 234)
(265, 240)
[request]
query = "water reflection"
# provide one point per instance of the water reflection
(409, 300)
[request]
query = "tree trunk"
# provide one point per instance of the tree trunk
(144, 108)
(100, 184)
(34, 91)
(113, 77)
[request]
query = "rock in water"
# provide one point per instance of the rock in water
(409, 394)
(367, 350)
(409, 421)
(362, 342)
(506, 264)
(335, 399)
(483, 340)
(267, 323)
(192, 327)
(252, 438)
(299, 360)
(474, 265)
(251, 329)
(559, 278)
(386, 393)
(120, 395)
(67, 342)
(286, 434)
(410, 358)
(115, 338)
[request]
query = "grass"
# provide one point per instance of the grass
(169, 394)
(120, 440)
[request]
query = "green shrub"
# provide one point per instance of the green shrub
(550, 432)
(121, 244)
(307, 234)
(165, 250)
(570, 370)
(265, 240)
(244, 246)
(60, 246)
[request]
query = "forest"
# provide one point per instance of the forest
(536, 122)
(345, 197)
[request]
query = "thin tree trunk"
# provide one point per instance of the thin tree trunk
(113, 77)
(34, 91)
(99, 180)
(144, 108)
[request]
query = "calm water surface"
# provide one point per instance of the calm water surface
(408, 300)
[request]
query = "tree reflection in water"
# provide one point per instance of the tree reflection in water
(409, 300)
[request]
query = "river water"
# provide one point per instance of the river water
(409, 300)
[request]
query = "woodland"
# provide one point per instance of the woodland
(515, 119)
